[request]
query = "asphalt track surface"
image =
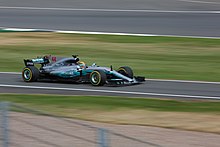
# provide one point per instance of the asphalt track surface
(163, 17)
(13, 83)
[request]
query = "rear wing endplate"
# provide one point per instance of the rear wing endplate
(28, 62)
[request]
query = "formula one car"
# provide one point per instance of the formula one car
(74, 70)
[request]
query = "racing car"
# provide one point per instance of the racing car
(74, 70)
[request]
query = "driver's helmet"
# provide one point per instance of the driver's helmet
(81, 64)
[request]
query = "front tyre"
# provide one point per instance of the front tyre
(126, 71)
(98, 78)
(30, 74)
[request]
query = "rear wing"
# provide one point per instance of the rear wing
(28, 62)
(48, 59)
(40, 60)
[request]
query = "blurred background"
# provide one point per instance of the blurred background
(173, 43)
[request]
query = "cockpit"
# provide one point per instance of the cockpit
(70, 62)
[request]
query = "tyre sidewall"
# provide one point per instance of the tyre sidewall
(101, 78)
(126, 71)
(34, 74)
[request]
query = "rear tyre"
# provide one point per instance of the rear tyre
(126, 71)
(98, 78)
(30, 74)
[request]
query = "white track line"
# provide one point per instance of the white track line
(110, 91)
(14, 73)
(101, 33)
(18, 29)
(183, 81)
(110, 10)
(198, 1)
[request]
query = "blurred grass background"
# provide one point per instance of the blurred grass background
(111, 103)
(153, 57)
(193, 115)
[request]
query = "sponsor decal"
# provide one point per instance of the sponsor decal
(29, 63)
(54, 59)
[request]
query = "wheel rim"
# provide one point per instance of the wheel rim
(95, 78)
(27, 74)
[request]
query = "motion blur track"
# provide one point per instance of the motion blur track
(13, 83)
(198, 18)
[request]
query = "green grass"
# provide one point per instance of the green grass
(153, 57)
(106, 103)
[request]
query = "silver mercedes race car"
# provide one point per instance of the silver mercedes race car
(73, 70)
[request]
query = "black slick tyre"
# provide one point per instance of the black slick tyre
(98, 78)
(30, 74)
(126, 71)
